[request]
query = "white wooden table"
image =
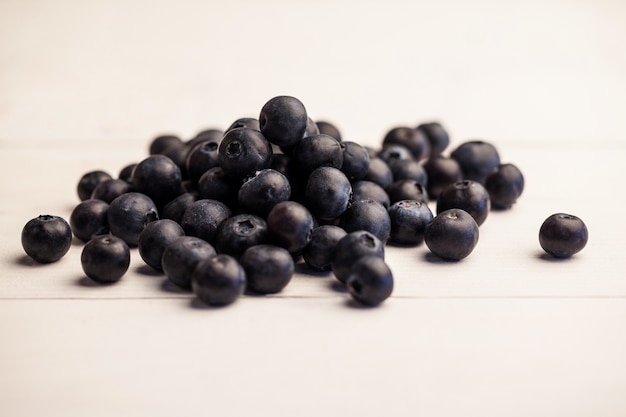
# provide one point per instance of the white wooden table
(506, 331)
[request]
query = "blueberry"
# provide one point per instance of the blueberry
(248, 122)
(452, 234)
(290, 225)
(105, 259)
(259, 193)
(126, 173)
(89, 181)
(129, 214)
(441, 171)
(468, 195)
(367, 215)
(370, 281)
(203, 217)
(218, 280)
(477, 159)
(239, 232)
(311, 129)
(437, 136)
(181, 257)
(412, 139)
(207, 135)
(216, 184)
(356, 161)
(393, 152)
(159, 144)
(153, 240)
(202, 157)
(268, 268)
(175, 209)
(327, 193)
(368, 190)
(109, 190)
(159, 178)
(408, 222)
(89, 219)
(379, 172)
(178, 154)
(351, 248)
(317, 151)
(563, 235)
(403, 169)
(46, 238)
(283, 120)
(504, 186)
(406, 190)
(330, 129)
(244, 151)
(318, 253)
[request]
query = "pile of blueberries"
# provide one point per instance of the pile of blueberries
(235, 210)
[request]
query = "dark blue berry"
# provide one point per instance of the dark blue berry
(283, 120)
(89, 219)
(356, 161)
(504, 186)
(126, 173)
(408, 169)
(368, 190)
(477, 159)
(262, 191)
(105, 259)
(412, 139)
(216, 184)
(318, 253)
(367, 215)
(437, 136)
(351, 248)
(441, 171)
(158, 177)
(203, 217)
(181, 257)
(268, 268)
(379, 172)
(202, 157)
(89, 181)
(406, 190)
(370, 281)
(248, 122)
(290, 225)
(317, 151)
(468, 195)
(129, 214)
(239, 232)
(244, 151)
(109, 190)
(153, 240)
(159, 144)
(327, 193)
(311, 129)
(175, 209)
(408, 222)
(330, 129)
(452, 234)
(393, 152)
(46, 238)
(218, 280)
(563, 235)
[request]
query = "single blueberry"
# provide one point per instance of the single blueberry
(216, 184)
(218, 280)
(408, 169)
(239, 232)
(126, 173)
(89, 181)
(202, 157)
(367, 215)
(356, 161)
(468, 195)
(413, 139)
(129, 214)
(89, 219)
(317, 151)
(408, 222)
(441, 171)
(109, 190)
(562, 235)
(283, 120)
(452, 234)
(370, 281)
(46, 238)
(379, 172)
(477, 159)
(318, 253)
(268, 268)
(327, 193)
(158, 177)
(244, 151)
(160, 143)
(330, 129)
(175, 209)
(153, 240)
(437, 136)
(406, 190)
(368, 190)
(105, 259)
(203, 217)
(259, 193)
(504, 186)
(290, 225)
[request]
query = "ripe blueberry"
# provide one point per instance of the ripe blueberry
(563, 235)
(452, 234)
(105, 259)
(46, 238)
